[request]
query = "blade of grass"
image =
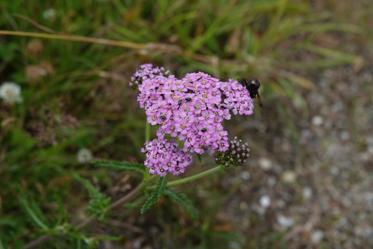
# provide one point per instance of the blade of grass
(33, 211)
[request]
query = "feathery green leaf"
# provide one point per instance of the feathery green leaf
(98, 203)
(155, 195)
(120, 165)
(183, 201)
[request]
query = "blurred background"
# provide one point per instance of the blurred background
(308, 183)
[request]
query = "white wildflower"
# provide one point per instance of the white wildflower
(84, 155)
(10, 93)
(49, 14)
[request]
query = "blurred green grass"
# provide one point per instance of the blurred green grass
(85, 101)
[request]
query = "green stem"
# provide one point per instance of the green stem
(195, 177)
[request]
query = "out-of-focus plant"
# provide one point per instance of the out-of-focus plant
(225, 38)
(189, 113)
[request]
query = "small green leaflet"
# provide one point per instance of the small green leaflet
(98, 203)
(120, 165)
(155, 195)
(183, 201)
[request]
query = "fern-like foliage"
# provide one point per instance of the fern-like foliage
(154, 195)
(99, 203)
(183, 201)
(120, 165)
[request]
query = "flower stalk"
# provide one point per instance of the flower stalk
(194, 177)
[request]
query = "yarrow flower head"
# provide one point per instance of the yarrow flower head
(10, 93)
(191, 109)
(164, 157)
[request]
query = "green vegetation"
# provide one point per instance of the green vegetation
(81, 99)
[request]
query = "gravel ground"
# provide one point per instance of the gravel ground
(308, 183)
(313, 182)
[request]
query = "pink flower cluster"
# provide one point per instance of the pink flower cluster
(191, 110)
(164, 157)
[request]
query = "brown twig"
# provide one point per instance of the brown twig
(124, 225)
(93, 40)
(75, 38)
(85, 223)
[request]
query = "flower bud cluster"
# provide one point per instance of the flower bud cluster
(236, 155)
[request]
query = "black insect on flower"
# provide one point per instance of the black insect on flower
(236, 155)
(253, 86)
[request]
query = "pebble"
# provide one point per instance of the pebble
(265, 201)
(317, 236)
(245, 175)
(307, 193)
(284, 221)
(289, 176)
(317, 120)
(265, 163)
